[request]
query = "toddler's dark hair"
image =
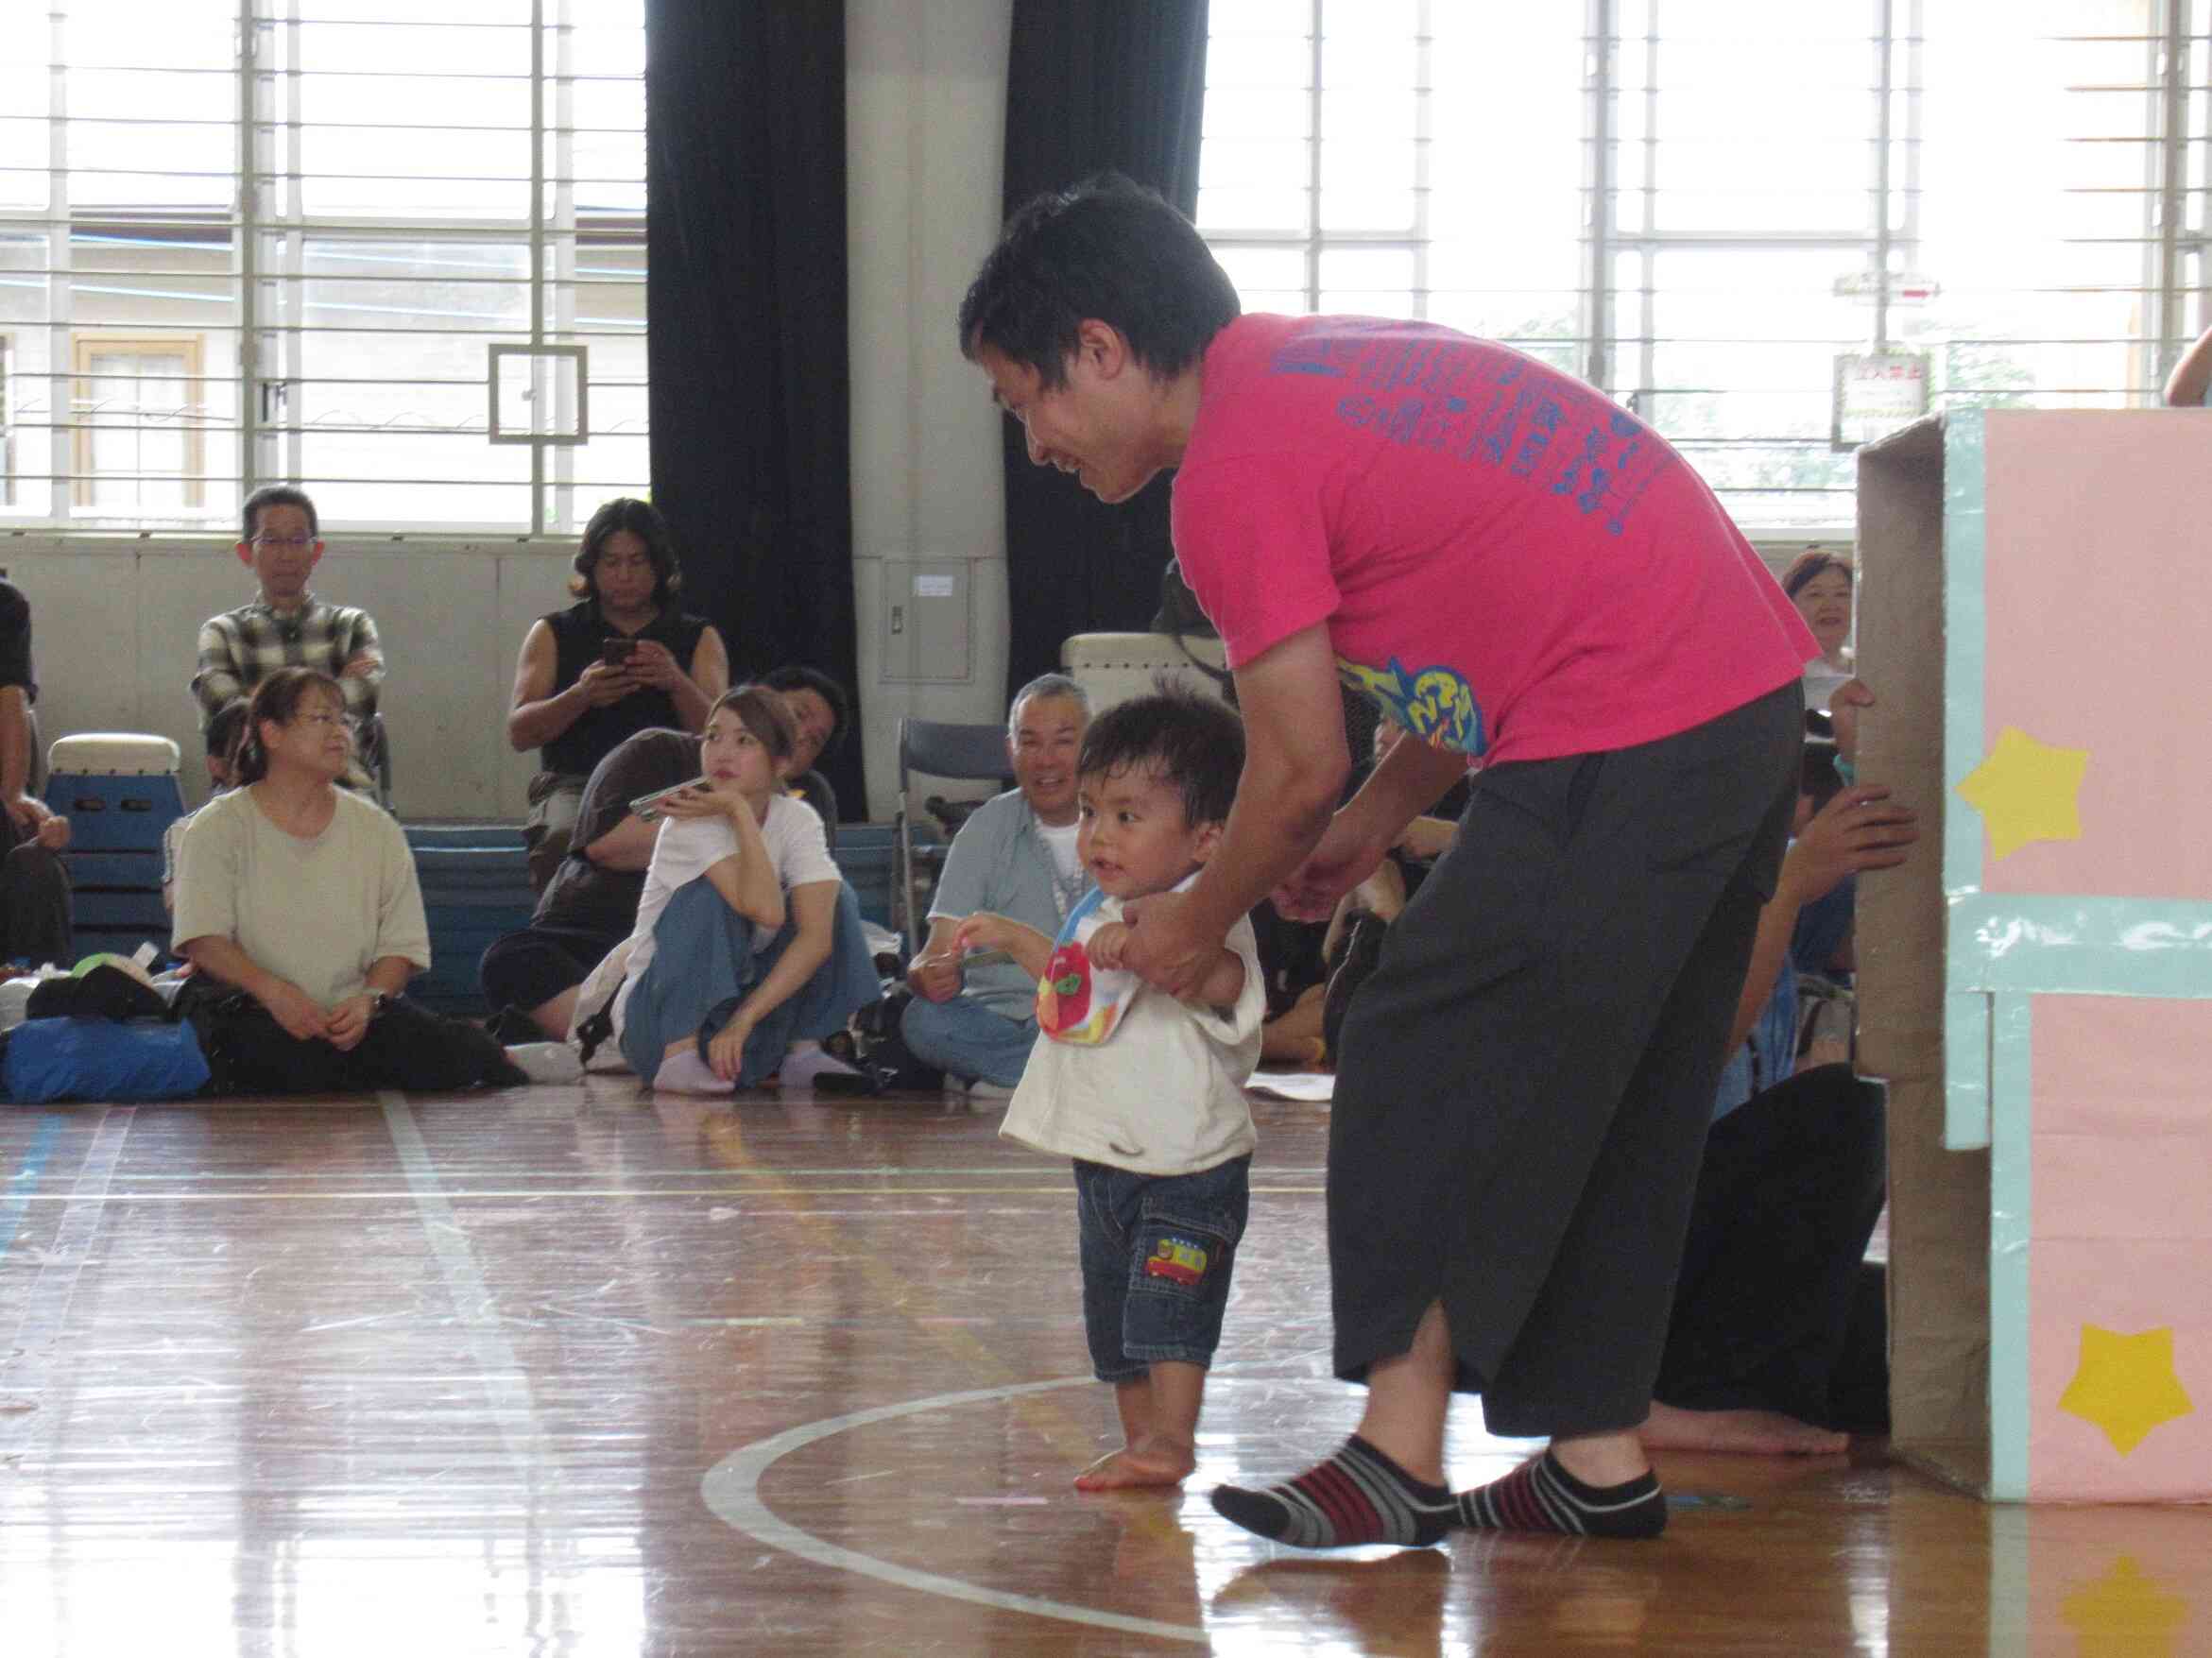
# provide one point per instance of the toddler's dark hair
(1192, 743)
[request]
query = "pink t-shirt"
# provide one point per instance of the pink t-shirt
(1510, 563)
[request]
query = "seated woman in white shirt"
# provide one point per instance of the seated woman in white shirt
(748, 946)
(297, 903)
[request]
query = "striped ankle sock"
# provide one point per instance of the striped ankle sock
(1358, 1495)
(1540, 1496)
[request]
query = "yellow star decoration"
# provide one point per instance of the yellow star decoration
(2125, 1385)
(2027, 791)
(2125, 1613)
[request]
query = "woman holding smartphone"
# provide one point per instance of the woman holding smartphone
(749, 948)
(620, 661)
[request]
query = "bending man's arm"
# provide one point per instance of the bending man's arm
(2192, 375)
(1295, 767)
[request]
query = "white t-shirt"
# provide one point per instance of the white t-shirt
(1163, 1094)
(687, 848)
(1060, 840)
(318, 911)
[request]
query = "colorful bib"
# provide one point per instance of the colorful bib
(1076, 1001)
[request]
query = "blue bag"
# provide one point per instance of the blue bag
(101, 1059)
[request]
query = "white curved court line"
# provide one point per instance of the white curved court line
(731, 1490)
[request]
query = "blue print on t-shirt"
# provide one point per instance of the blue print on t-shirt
(1490, 408)
(1435, 705)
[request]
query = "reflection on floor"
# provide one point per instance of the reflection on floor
(587, 1370)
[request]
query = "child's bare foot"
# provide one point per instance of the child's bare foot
(1145, 1461)
(1765, 1433)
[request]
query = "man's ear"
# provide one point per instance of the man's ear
(1103, 346)
(246, 554)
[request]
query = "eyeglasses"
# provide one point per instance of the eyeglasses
(294, 542)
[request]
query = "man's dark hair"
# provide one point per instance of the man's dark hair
(1108, 249)
(279, 495)
(798, 676)
(1193, 744)
(643, 520)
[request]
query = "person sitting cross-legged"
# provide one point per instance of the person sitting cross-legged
(1014, 856)
(296, 902)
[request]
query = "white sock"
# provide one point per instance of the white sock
(687, 1073)
(804, 1061)
(545, 1061)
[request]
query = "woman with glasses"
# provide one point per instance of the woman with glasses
(298, 904)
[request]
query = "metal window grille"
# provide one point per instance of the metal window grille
(392, 250)
(1701, 205)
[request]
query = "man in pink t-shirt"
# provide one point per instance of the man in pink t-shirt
(1522, 573)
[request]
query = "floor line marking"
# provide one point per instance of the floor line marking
(756, 1192)
(17, 1202)
(46, 1309)
(731, 1490)
(505, 1388)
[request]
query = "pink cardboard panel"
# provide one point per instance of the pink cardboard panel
(2130, 1186)
(2123, 1064)
(2099, 587)
(2141, 1429)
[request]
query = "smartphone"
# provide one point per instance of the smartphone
(616, 651)
(648, 807)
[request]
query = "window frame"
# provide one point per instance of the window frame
(259, 347)
(84, 474)
(1620, 287)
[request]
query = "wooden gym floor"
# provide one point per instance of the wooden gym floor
(591, 1371)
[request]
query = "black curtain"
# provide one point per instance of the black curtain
(746, 288)
(1092, 84)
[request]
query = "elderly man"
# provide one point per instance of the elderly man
(1014, 856)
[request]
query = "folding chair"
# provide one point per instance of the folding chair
(933, 748)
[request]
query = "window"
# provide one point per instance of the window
(286, 251)
(1701, 206)
(138, 414)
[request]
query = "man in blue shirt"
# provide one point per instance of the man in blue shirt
(1015, 857)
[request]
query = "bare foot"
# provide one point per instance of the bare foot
(1146, 1462)
(1763, 1433)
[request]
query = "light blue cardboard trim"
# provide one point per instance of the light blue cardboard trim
(2013, 1107)
(1967, 1085)
(1965, 542)
(1965, 634)
(2078, 946)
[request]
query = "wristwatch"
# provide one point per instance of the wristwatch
(378, 1001)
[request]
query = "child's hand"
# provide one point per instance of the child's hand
(1105, 945)
(984, 930)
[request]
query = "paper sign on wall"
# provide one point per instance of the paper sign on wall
(1876, 392)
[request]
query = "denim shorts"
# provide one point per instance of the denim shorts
(1157, 1251)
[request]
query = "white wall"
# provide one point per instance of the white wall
(116, 624)
(116, 618)
(925, 118)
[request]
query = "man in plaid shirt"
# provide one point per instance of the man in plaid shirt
(287, 626)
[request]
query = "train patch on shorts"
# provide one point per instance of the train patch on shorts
(1178, 1260)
